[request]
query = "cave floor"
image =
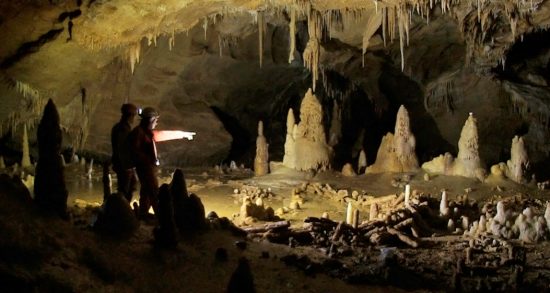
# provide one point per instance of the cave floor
(287, 268)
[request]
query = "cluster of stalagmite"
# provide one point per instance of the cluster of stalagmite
(305, 146)
(468, 162)
(261, 161)
(397, 151)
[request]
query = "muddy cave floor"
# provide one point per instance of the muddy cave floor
(64, 256)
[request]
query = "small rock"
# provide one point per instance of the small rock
(294, 206)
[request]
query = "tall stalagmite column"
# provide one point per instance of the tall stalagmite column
(261, 161)
(518, 161)
(468, 163)
(49, 183)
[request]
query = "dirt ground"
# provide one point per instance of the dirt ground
(46, 254)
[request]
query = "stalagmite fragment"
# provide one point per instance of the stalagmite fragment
(261, 161)
(349, 214)
(407, 195)
(26, 159)
(355, 221)
(373, 213)
(444, 205)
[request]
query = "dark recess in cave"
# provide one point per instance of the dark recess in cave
(532, 55)
(241, 137)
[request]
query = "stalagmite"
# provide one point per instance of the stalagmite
(444, 205)
(361, 161)
(292, 31)
(2, 163)
(349, 214)
(49, 185)
(407, 195)
(373, 213)
(335, 132)
(397, 152)
(468, 163)
(519, 160)
(355, 221)
(348, 171)
(26, 159)
(261, 161)
(307, 148)
(289, 159)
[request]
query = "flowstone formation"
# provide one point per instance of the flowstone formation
(306, 148)
(397, 152)
(49, 184)
(468, 162)
(261, 161)
(514, 168)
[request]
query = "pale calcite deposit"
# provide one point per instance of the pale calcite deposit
(307, 149)
(261, 161)
(468, 162)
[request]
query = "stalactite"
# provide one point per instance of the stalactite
(134, 55)
(205, 27)
(372, 26)
(312, 50)
(384, 23)
(401, 45)
(292, 29)
(261, 31)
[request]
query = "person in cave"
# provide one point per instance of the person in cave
(144, 154)
(121, 160)
(143, 150)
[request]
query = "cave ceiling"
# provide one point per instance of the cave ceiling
(89, 55)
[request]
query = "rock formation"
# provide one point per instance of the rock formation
(50, 192)
(514, 168)
(116, 219)
(518, 161)
(307, 149)
(261, 161)
(165, 234)
(468, 162)
(397, 151)
(188, 210)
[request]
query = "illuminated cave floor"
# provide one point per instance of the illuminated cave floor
(96, 265)
(216, 190)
